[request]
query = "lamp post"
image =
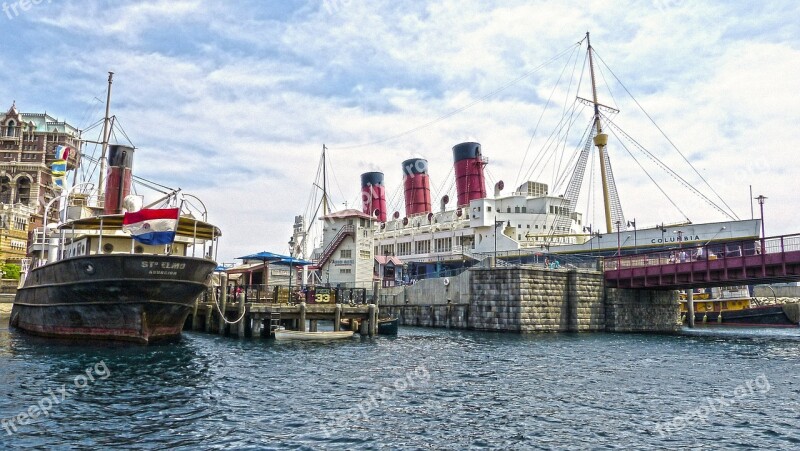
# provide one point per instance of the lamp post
(761, 198)
(291, 258)
(619, 244)
(632, 222)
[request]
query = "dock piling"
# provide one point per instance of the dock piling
(337, 317)
(243, 319)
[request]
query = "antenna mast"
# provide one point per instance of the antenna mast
(600, 139)
(106, 132)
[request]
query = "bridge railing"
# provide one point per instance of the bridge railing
(730, 249)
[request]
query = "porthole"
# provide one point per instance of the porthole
(108, 248)
(138, 250)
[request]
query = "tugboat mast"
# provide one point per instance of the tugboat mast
(600, 139)
(106, 132)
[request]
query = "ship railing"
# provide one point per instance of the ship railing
(540, 257)
(703, 252)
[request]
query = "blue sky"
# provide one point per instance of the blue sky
(232, 101)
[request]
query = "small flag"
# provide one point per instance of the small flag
(58, 167)
(62, 152)
(152, 226)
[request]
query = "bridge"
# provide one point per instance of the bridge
(750, 262)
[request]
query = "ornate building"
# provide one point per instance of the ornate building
(27, 151)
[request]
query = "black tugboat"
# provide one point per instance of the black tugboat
(104, 274)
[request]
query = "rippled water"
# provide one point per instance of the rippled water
(425, 389)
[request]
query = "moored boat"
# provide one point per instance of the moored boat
(734, 306)
(387, 326)
(112, 270)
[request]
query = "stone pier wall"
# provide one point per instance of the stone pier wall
(530, 299)
(641, 311)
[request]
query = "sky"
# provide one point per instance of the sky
(232, 101)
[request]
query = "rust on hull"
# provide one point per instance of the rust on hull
(126, 297)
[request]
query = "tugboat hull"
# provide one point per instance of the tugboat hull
(130, 297)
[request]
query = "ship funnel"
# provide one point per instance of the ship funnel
(373, 195)
(118, 184)
(469, 164)
(498, 187)
(417, 186)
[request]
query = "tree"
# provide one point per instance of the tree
(11, 271)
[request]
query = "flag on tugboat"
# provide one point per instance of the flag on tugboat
(152, 226)
(62, 152)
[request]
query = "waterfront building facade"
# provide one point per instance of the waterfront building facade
(28, 143)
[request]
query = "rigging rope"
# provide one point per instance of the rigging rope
(539, 121)
(614, 130)
(733, 214)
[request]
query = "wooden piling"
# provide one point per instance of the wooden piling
(337, 317)
(242, 316)
(690, 306)
(301, 326)
(223, 302)
(373, 320)
(312, 325)
(195, 318)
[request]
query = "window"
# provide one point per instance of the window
(443, 244)
(516, 209)
(363, 254)
(487, 209)
(524, 209)
(10, 128)
(508, 209)
(346, 253)
(422, 247)
(403, 248)
(345, 271)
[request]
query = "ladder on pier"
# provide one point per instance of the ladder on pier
(274, 321)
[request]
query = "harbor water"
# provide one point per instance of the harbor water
(709, 388)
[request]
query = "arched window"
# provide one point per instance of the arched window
(10, 128)
(5, 190)
(23, 191)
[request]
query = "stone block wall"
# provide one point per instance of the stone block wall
(641, 310)
(531, 299)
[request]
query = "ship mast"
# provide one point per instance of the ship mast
(600, 139)
(324, 184)
(106, 132)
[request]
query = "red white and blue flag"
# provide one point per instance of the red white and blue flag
(62, 152)
(152, 226)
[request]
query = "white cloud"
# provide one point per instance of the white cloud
(235, 101)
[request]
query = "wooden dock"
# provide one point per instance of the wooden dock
(254, 319)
